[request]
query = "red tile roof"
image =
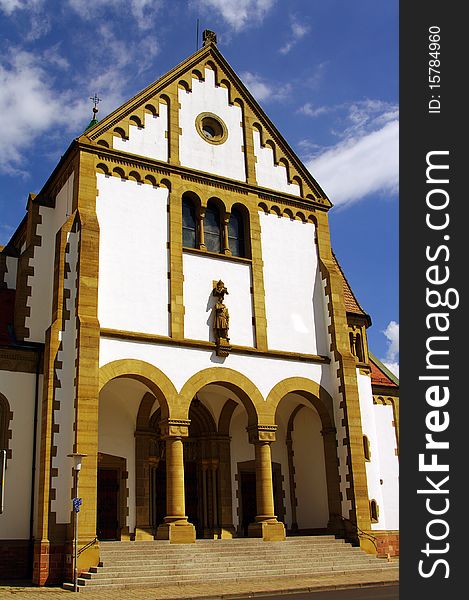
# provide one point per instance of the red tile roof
(379, 377)
(351, 303)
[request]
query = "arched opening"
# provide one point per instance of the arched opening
(299, 449)
(118, 476)
(189, 222)
(5, 416)
(200, 466)
(212, 228)
(237, 231)
(306, 447)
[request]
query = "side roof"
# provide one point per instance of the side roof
(381, 375)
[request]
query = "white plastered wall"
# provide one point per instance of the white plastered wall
(389, 465)
(10, 274)
(180, 364)
(42, 285)
(119, 402)
(64, 416)
(241, 451)
(19, 390)
(133, 256)
(268, 174)
(225, 159)
(312, 509)
(377, 426)
(294, 297)
(199, 274)
(150, 140)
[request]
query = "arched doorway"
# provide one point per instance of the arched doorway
(306, 431)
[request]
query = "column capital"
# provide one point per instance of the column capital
(261, 434)
(174, 428)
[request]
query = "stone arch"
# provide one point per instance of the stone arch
(150, 109)
(225, 417)
(239, 384)
(308, 389)
(322, 401)
(156, 381)
(135, 120)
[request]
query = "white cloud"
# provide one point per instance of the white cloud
(392, 334)
(366, 159)
(29, 105)
(298, 31)
(9, 6)
(312, 111)
(359, 166)
(392, 366)
(143, 11)
(238, 14)
(263, 90)
(392, 354)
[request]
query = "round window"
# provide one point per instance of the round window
(211, 128)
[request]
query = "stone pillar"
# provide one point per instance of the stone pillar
(226, 241)
(227, 529)
(266, 526)
(204, 498)
(201, 218)
(176, 527)
(214, 468)
(291, 478)
(143, 527)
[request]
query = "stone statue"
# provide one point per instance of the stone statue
(221, 322)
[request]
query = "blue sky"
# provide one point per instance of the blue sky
(325, 72)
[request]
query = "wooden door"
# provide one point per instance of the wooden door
(108, 504)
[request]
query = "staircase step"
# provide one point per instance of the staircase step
(154, 563)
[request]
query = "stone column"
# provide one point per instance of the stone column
(176, 527)
(143, 527)
(227, 529)
(266, 526)
(214, 468)
(226, 241)
(200, 223)
(204, 498)
(291, 478)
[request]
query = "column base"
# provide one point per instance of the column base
(144, 533)
(180, 532)
(227, 532)
(269, 531)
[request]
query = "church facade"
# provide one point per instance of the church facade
(172, 310)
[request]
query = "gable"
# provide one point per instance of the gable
(165, 122)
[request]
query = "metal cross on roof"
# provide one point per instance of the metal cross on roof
(96, 101)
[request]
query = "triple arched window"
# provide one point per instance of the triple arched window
(213, 229)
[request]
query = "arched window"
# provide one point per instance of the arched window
(366, 448)
(5, 417)
(236, 233)
(212, 229)
(374, 511)
(189, 224)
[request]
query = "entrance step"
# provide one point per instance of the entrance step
(154, 563)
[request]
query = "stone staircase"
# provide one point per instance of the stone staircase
(156, 563)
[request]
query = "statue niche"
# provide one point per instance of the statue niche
(221, 320)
